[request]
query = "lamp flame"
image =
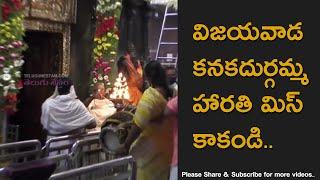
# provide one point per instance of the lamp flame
(120, 89)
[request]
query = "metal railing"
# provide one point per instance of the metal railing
(48, 148)
(59, 149)
(21, 151)
(86, 152)
(107, 165)
(12, 133)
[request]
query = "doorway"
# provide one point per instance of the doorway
(43, 58)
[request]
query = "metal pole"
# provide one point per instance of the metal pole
(161, 33)
(4, 127)
(94, 167)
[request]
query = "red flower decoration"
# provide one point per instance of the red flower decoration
(105, 26)
(19, 84)
(102, 67)
(11, 98)
(7, 9)
(104, 64)
(10, 109)
(17, 4)
(105, 70)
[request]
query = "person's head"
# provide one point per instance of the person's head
(99, 91)
(123, 66)
(63, 85)
(171, 74)
(156, 76)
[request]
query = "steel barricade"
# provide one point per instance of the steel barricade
(104, 166)
(59, 148)
(86, 152)
(20, 151)
(12, 133)
(47, 149)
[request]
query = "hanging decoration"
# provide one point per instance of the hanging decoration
(105, 41)
(11, 48)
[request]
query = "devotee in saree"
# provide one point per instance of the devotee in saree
(134, 78)
(149, 138)
(64, 114)
(100, 107)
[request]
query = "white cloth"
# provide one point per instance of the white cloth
(101, 109)
(174, 88)
(64, 113)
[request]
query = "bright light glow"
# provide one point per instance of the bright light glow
(120, 89)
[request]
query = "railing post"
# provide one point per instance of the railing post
(134, 170)
(3, 120)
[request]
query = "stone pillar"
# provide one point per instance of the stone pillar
(82, 34)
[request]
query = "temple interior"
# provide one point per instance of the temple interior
(88, 89)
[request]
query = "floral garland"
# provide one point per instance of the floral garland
(109, 7)
(11, 48)
(105, 41)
